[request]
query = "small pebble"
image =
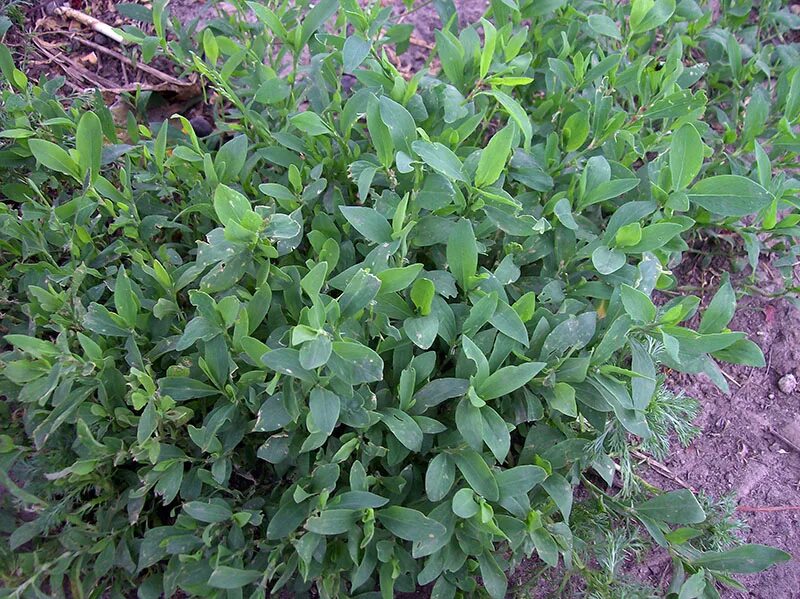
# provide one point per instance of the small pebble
(787, 383)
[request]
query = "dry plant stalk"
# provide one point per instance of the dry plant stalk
(88, 20)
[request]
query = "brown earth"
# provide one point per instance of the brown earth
(750, 440)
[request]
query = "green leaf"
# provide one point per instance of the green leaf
(404, 427)
(508, 322)
(231, 157)
(440, 158)
(489, 43)
(315, 18)
(564, 399)
(495, 433)
(209, 512)
(358, 500)
(225, 577)
(332, 521)
(745, 559)
(437, 391)
(230, 205)
(576, 130)
(675, 507)
(494, 156)
(477, 474)
(400, 123)
(451, 55)
(148, 422)
(607, 190)
(357, 363)
(397, 279)
(125, 301)
(604, 25)
(517, 113)
(270, 19)
(409, 524)
(324, 407)
(369, 222)
(33, 346)
(647, 14)
(315, 353)
(182, 388)
(494, 579)
(462, 253)
(360, 291)
(742, 351)
(54, 157)
(310, 123)
(508, 379)
(422, 331)
(607, 261)
(643, 387)
(721, 309)
(730, 195)
(637, 305)
(464, 504)
(355, 50)
(685, 156)
(439, 477)
(694, 586)
(89, 143)
(519, 480)
(560, 491)
(422, 294)
(286, 361)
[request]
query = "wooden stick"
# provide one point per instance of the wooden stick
(662, 469)
(779, 436)
(420, 42)
(776, 508)
(71, 67)
(88, 20)
(139, 65)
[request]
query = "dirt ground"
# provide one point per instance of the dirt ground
(750, 442)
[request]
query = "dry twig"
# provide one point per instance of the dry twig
(88, 20)
(139, 65)
(772, 508)
(71, 67)
(662, 469)
(780, 437)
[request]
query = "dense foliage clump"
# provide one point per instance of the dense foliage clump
(373, 331)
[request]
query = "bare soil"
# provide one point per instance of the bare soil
(750, 441)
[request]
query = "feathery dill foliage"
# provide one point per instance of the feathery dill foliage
(368, 337)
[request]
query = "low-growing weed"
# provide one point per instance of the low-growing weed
(372, 331)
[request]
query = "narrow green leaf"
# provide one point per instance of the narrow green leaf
(440, 158)
(225, 577)
(462, 253)
(494, 156)
(730, 195)
(89, 143)
(477, 474)
(409, 524)
(54, 157)
(745, 559)
(685, 156)
(675, 507)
